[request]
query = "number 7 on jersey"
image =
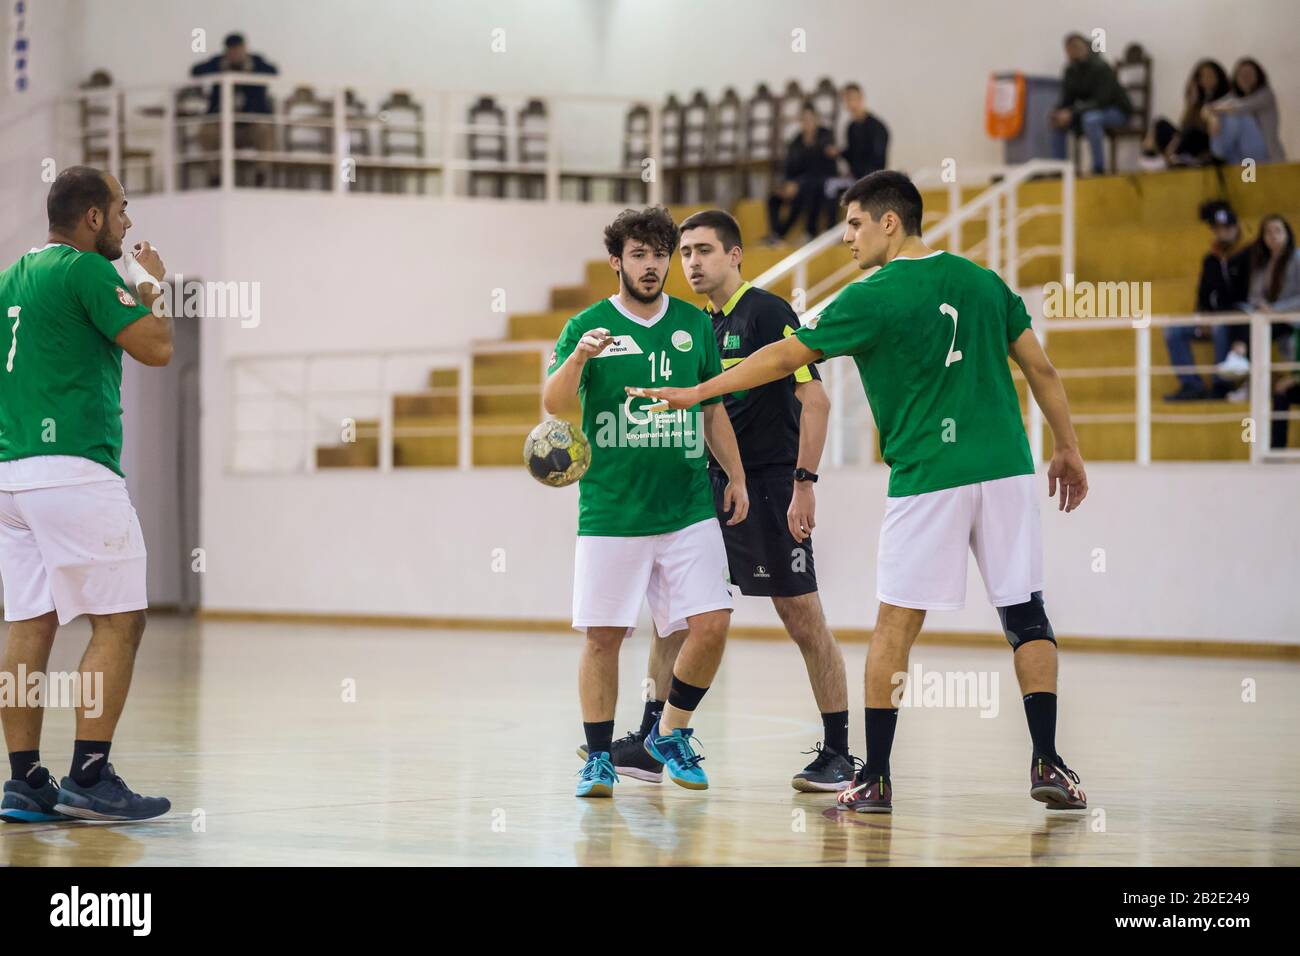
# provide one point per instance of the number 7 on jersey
(13, 346)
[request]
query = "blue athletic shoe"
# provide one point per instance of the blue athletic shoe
(26, 804)
(678, 756)
(109, 800)
(597, 777)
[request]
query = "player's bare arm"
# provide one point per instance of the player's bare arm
(813, 422)
(148, 339)
(721, 439)
(768, 364)
(561, 392)
(1045, 384)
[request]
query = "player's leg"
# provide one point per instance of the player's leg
(609, 583)
(1007, 541)
(688, 587)
(921, 566)
(30, 793)
(805, 622)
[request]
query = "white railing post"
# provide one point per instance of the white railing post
(465, 414)
(227, 121)
(1067, 221)
(342, 145)
(994, 242)
(1261, 401)
(1144, 395)
(954, 203)
(837, 414)
(1036, 413)
(1013, 237)
(308, 434)
(385, 418)
(655, 190)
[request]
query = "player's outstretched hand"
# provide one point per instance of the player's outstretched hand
(669, 398)
(594, 342)
(801, 515)
(148, 257)
(1067, 469)
(735, 499)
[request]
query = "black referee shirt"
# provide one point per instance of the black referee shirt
(765, 419)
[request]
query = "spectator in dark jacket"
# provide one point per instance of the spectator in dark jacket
(1224, 282)
(249, 99)
(867, 137)
(1092, 101)
(809, 163)
(1188, 144)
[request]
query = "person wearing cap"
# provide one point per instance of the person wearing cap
(1225, 275)
(249, 99)
(1092, 101)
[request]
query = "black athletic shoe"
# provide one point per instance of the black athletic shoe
(630, 758)
(829, 771)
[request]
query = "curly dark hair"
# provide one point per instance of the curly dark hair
(652, 225)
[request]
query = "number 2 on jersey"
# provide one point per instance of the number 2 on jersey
(954, 354)
(665, 367)
(13, 346)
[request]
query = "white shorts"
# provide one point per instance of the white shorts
(681, 573)
(924, 539)
(76, 549)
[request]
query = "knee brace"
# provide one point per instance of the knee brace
(1022, 623)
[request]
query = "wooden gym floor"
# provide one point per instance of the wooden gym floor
(459, 749)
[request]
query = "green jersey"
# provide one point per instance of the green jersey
(648, 472)
(930, 338)
(61, 384)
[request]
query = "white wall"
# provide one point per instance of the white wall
(924, 66)
(1191, 551)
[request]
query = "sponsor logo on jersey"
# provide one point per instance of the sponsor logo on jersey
(622, 345)
(761, 572)
(732, 341)
(124, 297)
(682, 340)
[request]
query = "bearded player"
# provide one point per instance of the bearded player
(70, 541)
(647, 528)
(781, 431)
(930, 333)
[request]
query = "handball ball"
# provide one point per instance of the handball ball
(557, 453)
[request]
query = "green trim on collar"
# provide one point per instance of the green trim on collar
(735, 297)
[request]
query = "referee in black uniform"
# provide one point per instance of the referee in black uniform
(781, 430)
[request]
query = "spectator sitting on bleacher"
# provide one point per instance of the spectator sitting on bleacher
(249, 98)
(1243, 125)
(1224, 277)
(1092, 101)
(809, 163)
(1188, 144)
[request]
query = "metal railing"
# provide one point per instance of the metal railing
(154, 138)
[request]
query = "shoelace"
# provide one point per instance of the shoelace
(824, 755)
(683, 752)
(591, 769)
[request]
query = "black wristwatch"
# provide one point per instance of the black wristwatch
(803, 474)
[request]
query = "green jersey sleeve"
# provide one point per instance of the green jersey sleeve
(569, 338)
(710, 360)
(1017, 315)
(95, 284)
(845, 327)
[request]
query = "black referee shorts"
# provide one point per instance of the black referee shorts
(764, 558)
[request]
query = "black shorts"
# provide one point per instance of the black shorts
(764, 558)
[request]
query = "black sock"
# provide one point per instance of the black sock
(685, 696)
(25, 765)
(835, 728)
(88, 760)
(881, 722)
(650, 717)
(1040, 711)
(600, 736)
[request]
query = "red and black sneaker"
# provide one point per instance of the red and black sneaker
(1053, 783)
(868, 794)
